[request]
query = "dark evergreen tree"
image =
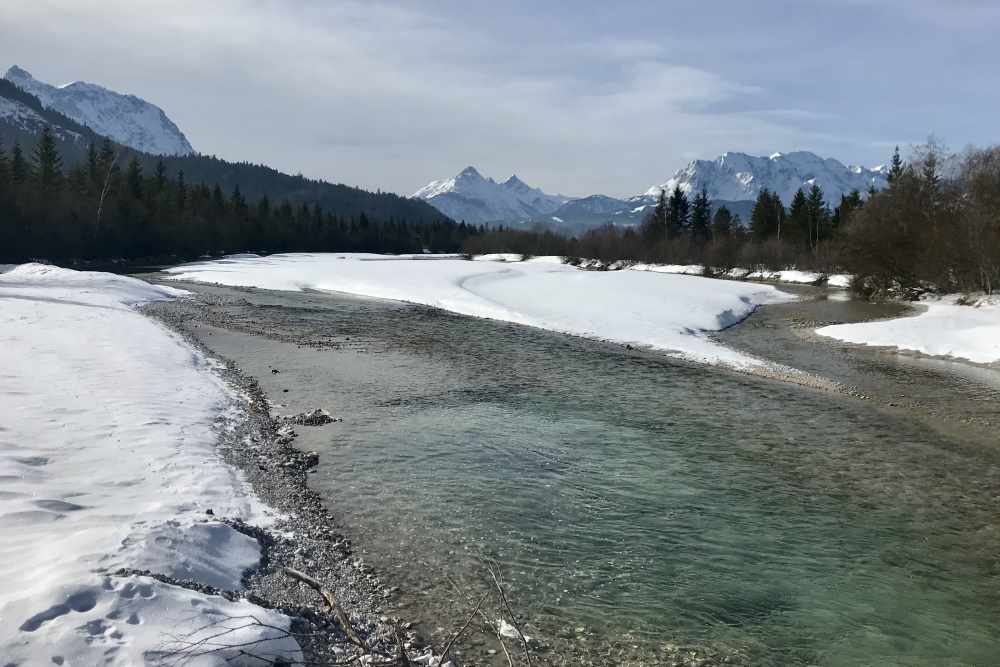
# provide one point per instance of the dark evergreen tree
(819, 215)
(678, 213)
(767, 217)
(701, 218)
(133, 177)
(799, 222)
(895, 167)
(655, 225)
(722, 223)
(48, 163)
(161, 175)
(182, 193)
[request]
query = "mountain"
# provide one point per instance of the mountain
(732, 179)
(475, 199)
(23, 117)
(127, 119)
(741, 177)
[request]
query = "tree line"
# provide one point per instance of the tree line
(104, 207)
(924, 232)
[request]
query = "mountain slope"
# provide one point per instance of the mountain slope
(470, 197)
(738, 176)
(127, 119)
(23, 116)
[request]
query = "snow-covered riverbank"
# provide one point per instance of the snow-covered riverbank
(944, 328)
(673, 313)
(108, 426)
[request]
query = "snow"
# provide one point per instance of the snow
(108, 425)
(125, 118)
(944, 328)
(475, 199)
(662, 311)
(741, 177)
(840, 280)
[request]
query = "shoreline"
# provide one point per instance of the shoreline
(207, 313)
(303, 536)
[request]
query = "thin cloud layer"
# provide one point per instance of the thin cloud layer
(393, 95)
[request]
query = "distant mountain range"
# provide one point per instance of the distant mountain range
(471, 197)
(732, 179)
(81, 113)
(127, 119)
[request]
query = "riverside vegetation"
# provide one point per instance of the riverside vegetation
(925, 232)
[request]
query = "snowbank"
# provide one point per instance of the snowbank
(666, 312)
(108, 424)
(786, 276)
(944, 329)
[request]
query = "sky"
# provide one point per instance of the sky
(576, 97)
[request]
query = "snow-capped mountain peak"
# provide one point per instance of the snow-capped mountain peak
(127, 119)
(740, 177)
(474, 198)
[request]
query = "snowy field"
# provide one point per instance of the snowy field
(945, 328)
(108, 426)
(661, 311)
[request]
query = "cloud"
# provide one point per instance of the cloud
(392, 95)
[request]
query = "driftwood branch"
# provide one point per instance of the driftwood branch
(332, 603)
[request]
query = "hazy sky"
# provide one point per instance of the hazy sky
(575, 97)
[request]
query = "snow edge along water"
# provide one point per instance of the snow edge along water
(109, 454)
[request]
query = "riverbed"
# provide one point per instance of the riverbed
(642, 507)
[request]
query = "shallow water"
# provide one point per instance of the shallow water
(634, 500)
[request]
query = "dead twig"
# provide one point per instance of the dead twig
(510, 612)
(458, 634)
(332, 603)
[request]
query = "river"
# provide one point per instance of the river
(643, 508)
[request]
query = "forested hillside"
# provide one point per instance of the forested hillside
(101, 209)
(23, 118)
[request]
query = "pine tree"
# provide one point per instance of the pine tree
(161, 175)
(655, 227)
(182, 193)
(701, 218)
(761, 217)
(818, 214)
(133, 177)
(895, 167)
(799, 223)
(678, 214)
(4, 167)
(48, 162)
(722, 223)
(93, 171)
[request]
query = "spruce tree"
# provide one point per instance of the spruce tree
(799, 222)
(762, 223)
(182, 193)
(133, 177)
(895, 167)
(679, 213)
(4, 167)
(18, 165)
(701, 218)
(722, 223)
(48, 162)
(655, 227)
(93, 171)
(161, 175)
(818, 214)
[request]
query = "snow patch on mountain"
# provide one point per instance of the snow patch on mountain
(741, 177)
(473, 198)
(127, 119)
